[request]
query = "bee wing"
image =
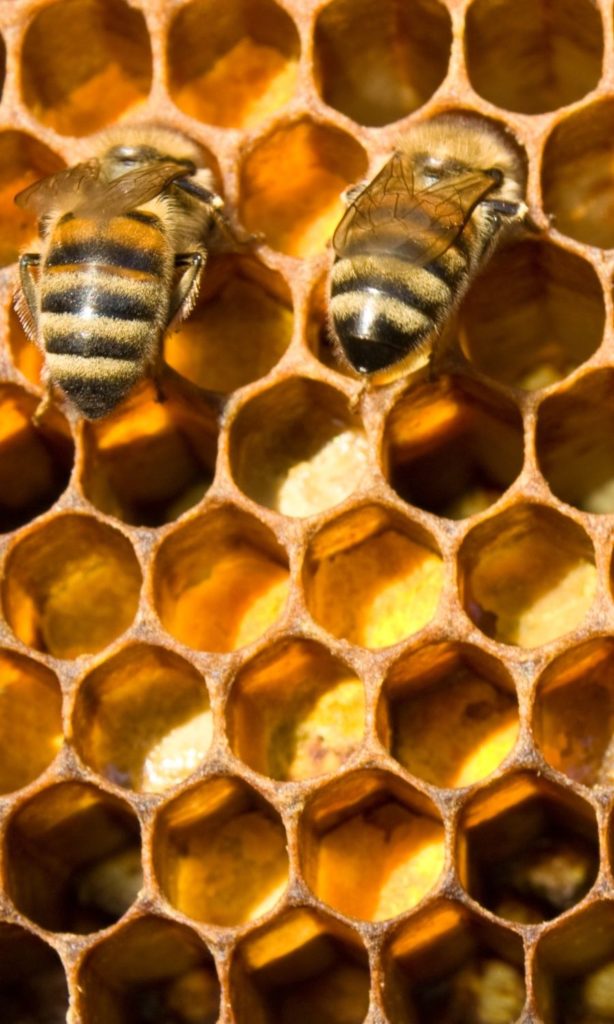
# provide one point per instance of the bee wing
(62, 190)
(85, 189)
(390, 216)
(138, 186)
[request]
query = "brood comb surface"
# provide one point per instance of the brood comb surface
(308, 707)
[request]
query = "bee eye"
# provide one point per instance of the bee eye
(433, 169)
(130, 155)
(432, 176)
(125, 153)
(496, 175)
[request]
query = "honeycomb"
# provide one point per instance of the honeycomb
(301, 690)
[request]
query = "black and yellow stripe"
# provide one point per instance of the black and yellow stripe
(103, 305)
(385, 307)
(404, 261)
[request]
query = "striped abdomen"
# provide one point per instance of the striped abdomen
(103, 305)
(384, 308)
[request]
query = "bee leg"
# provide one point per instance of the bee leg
(503, 207)
(156, 371)
(356, 400)
(199, 191)
(45, 403)
(185, 291)
(182, 300)
(157, 381)
(446, 356)
(228, 238)
(517, 212)
(41, 408)
(222, 235)
(27, 309)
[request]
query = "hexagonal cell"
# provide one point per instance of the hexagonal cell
(241, 326)
(574, 968)
(295, 711)
(73, 858)
(150, 461)
(527, 850)
(372, 577)
(451, 966)
(297, 208)
(318, 334)
(30, 719)
(104, 72)
(555, 50)
(527, 576)
(220, 581)
(33, 987)
(301, 968)
(377, 62)
(297, 448)
(449, 713)
(574, 443)
(452, 447)
(150, 971)
(35, 458)
(234, 65)
(71, 586)
(22, 161)
(371, 846)
(220, 853)
(573, 716)
(578, 150)
(2, 64)
(26, 356)
(142, 719)
(534, 315)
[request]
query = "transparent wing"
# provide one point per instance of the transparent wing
(138, 186)
(61, 190)
(390, 216)
(84, 189)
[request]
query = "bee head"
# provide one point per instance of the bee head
(452, 144)
(126, 147)
(125, 158)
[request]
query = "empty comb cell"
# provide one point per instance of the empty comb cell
(306, 682)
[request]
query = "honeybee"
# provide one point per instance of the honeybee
(123, 243)
(411, 240)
